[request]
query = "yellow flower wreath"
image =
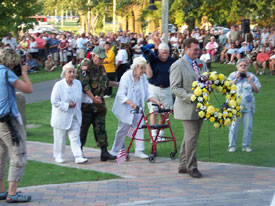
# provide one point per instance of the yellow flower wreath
(230, 109)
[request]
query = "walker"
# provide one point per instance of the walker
(165, 125)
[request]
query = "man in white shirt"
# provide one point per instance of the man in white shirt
(121, 61)
(174, 40)
(124, 39)
(82, 47)
(9, 40)
(206, 58)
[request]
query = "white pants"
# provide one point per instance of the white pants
(63, 56)
(59, 145)
(122, 131)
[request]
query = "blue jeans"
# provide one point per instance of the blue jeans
(247, 118)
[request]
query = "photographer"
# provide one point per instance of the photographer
(247, 83)
(12, 132)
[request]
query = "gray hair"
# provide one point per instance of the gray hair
(242, 60)
(163, 46)
(9, 58)
(138, 61)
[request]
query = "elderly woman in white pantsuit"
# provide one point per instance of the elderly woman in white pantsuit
(132, 91)
(66, 114)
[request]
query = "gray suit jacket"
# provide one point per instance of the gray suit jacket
(182, 76)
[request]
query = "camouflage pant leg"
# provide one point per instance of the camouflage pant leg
(99, 120)
(87, 118)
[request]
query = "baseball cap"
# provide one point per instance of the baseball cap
(100, 51)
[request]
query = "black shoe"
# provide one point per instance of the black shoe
(105, 155)
(195, 173)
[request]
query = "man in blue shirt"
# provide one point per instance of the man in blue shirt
(10, 119)
(53, 48)
(158, 71)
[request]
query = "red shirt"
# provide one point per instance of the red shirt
(62, 44)
(40, 43)
(262, 57)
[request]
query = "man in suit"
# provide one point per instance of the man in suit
(183, 72)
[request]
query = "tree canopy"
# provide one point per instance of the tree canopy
(224, 12)
(15, 13)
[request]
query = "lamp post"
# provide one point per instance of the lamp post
(164, 17)
(114, 16)
(89, 16)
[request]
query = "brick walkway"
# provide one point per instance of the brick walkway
(157, 184)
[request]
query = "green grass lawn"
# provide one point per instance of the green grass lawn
(43, 75)
(38, 173)
(213, 142)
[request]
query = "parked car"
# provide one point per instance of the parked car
(172, 28)
(218, 28)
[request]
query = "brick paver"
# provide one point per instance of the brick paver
(157, 184)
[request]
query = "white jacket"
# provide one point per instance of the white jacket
(62, 95)
(125, 91)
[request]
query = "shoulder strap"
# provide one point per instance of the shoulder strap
(7, 83)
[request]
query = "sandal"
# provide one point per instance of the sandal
(19, 197)
(3, 195)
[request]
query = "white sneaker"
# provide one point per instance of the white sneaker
(141, 155)
(247, 149)
(106, 96)
(59, 160)
(80, 160)
(232, 149)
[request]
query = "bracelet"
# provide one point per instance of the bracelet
(24, 73)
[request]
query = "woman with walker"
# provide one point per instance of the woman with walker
(132, 91)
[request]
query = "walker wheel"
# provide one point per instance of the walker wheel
(173, 155)
(152, 159)
(127, 157)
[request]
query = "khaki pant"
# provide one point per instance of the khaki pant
(188, 151)
(17, 153)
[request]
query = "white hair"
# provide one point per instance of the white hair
(66, 67)
(163, 46)
(138, 61)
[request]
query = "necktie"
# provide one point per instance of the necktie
(195, 67)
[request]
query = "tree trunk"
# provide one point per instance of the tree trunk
(94, 20)
(191, 24)
(62, 20)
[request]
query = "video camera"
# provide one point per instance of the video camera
(243, 75)
(17, 70)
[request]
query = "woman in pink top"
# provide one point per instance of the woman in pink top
(41, 47)
(212, 47)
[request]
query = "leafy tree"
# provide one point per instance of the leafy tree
(221, 11)
(15, 15)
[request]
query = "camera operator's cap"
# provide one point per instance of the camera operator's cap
(100, 51)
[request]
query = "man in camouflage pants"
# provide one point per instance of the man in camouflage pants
(94, 82)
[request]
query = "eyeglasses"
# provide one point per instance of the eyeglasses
(243, 65)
